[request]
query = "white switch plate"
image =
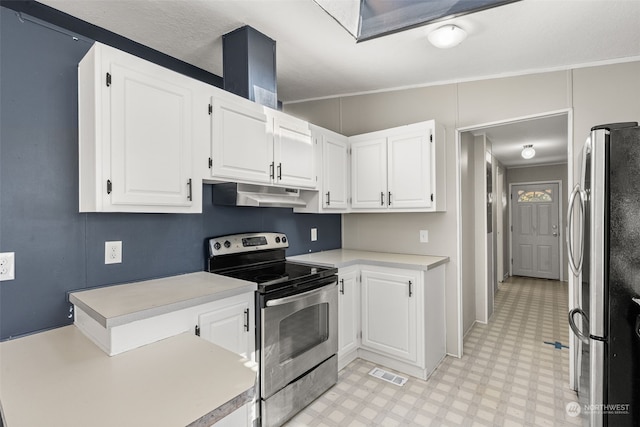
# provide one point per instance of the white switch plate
(314, 234)
(424, 236)
(7, 266)
(113, 252)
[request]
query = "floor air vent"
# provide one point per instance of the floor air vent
(388, 376)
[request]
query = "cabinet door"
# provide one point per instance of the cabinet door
(242, 145)
(294, 154)
(231, 326)
(348, 312)
(369, 173)
(335, 172)
(409, 170)
(389, 312)
(150, 135)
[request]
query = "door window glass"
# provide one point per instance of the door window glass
(303, 330)
(535, 196)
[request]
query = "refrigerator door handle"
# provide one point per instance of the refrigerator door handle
(576, 266)
(584, 338)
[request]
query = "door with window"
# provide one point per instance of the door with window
(536, 232)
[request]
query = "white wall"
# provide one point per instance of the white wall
(596, 95)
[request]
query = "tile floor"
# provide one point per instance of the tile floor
(507, 377)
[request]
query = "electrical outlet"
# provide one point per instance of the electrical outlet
(7, 266)
(424, 236)
(314, 234)
(112, 252)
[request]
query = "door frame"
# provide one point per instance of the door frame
(500, 173)
(560, 223)
(570, 183)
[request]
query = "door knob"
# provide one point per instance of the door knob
(555, 234)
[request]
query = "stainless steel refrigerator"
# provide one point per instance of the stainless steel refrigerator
(606, 259)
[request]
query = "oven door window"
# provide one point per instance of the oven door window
(303, 330)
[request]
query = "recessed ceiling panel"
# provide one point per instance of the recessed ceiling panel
(382, 17)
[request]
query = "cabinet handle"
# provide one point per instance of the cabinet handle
(246, 320)
(410, 288)
(109, 186)
(271, 172)
(279, 170)
(382, 198)
(342, 286)
(328, 198)
(189, 195)
(389, 198)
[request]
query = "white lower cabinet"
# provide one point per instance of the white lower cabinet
(400, 318)
(348, 316)
(390, 313)
(231, 325)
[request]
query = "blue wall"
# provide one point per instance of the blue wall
(58, 249)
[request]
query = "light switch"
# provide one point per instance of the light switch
(424, 236)
(314, 234)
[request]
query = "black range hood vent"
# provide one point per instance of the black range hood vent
(249, 65)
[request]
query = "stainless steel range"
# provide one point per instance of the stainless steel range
(296, 320)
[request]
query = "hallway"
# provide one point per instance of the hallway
(515, 372)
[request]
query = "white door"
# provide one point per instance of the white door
(242, 141)
(230, 327)
(389, 310)
(409, 174)
(369, 173)
(294, 153)
(535, 236)
(151, 138)
(348, 312)
(335, 173)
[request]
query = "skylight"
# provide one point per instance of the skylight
(368, 19)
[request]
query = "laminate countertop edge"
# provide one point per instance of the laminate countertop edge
(180, 292)
(342, 258)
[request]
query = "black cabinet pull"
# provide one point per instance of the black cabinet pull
(279, 170)
(410, 289)
(342, 286)
(271, 172)
(382, 198)
(189, 195)
(328, 198)
(389, 198)
(246, 320)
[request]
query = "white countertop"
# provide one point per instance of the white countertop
(120, 304)
(59, 378)
(345, 257)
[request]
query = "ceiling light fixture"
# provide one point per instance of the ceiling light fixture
(528, 152)
(447, 36)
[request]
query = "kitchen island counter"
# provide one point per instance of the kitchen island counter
(59, 378)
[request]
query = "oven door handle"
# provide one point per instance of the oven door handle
(296, 297)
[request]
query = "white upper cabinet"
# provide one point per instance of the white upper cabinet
(257, 145)
(242, 142)
(332, 161)
(137, 131)
(400, 169)
(369, 172)
(293, 152)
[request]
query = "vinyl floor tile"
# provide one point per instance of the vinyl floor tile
(508, 376)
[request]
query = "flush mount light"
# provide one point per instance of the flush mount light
(528, 152)
(447, 36)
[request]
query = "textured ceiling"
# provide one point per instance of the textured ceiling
(317, 57)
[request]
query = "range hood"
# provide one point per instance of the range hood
(235, 194)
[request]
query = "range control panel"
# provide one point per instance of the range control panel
(246, 242)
